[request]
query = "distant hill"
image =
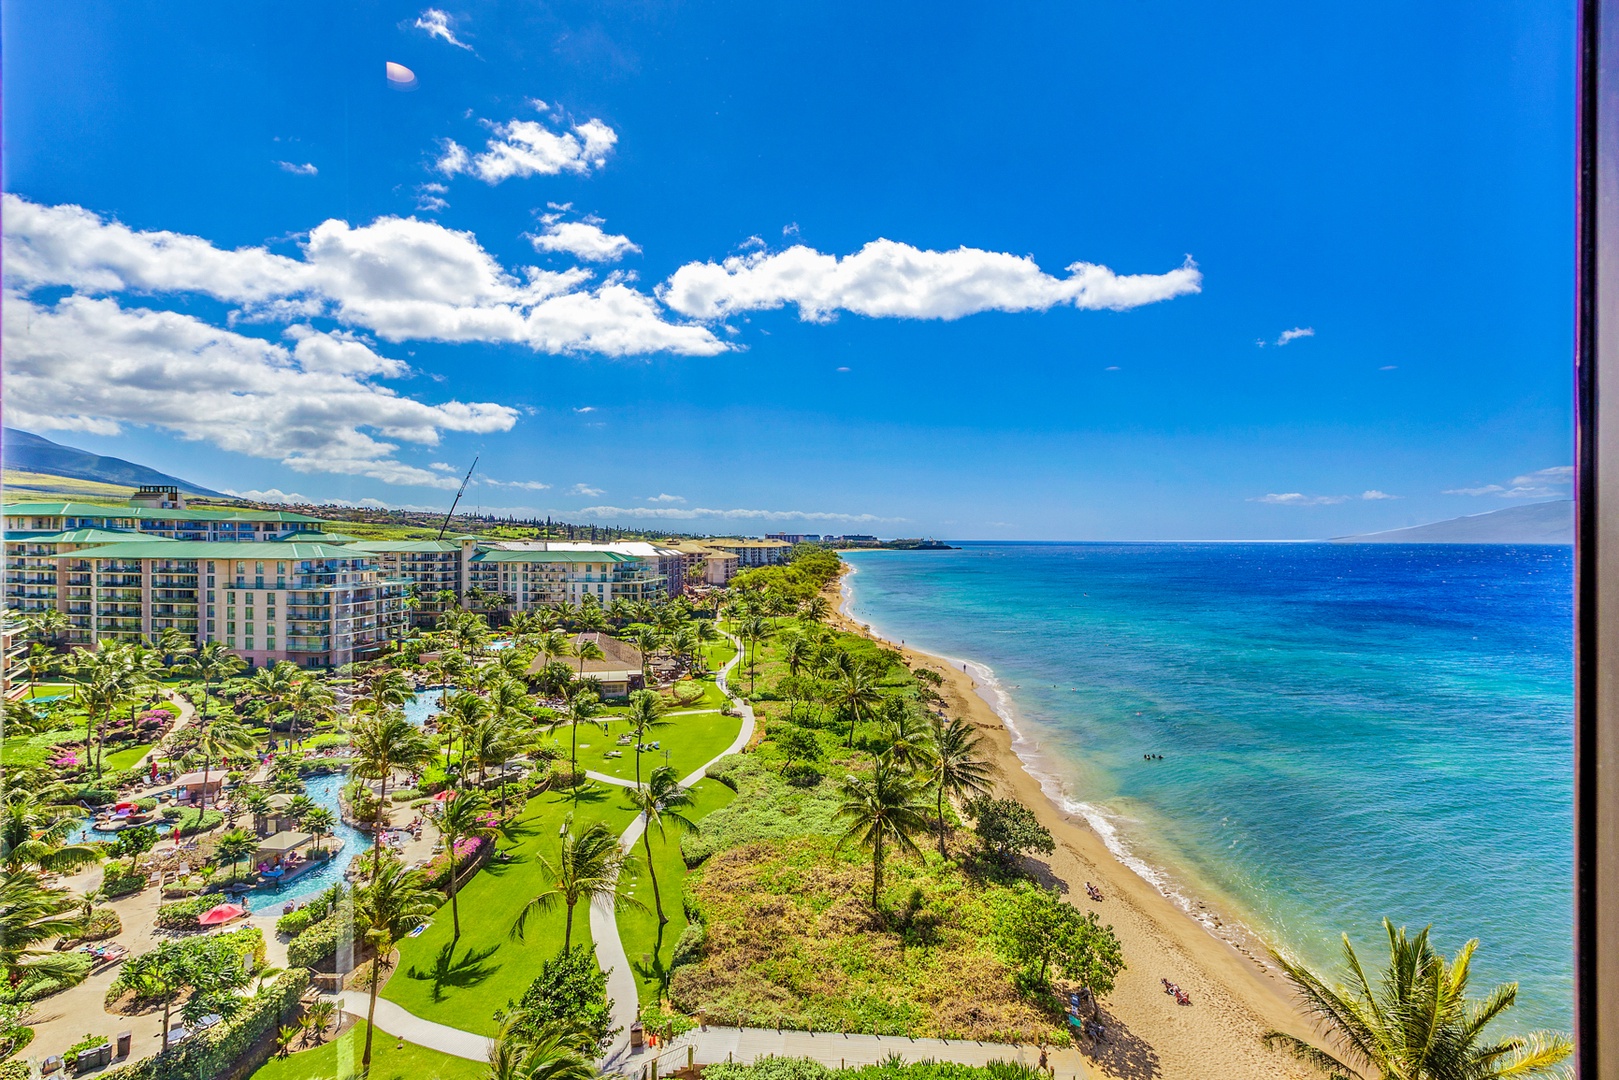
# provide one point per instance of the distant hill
(1537, 523)
(25, 452)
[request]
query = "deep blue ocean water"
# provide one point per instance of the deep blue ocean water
(1348, 731)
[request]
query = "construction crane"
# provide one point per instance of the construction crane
(467, 480)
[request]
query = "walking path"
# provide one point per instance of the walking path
(707, 1044)
(704, 1046)
(621, 988)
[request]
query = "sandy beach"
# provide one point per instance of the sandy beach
(1234, 999)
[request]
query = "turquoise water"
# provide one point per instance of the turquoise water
(1348, 731)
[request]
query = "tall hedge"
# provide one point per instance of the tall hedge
(218, 1053)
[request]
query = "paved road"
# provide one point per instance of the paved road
(396, 1021)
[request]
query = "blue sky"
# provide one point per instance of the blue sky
(805, 267)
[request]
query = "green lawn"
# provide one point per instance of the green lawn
(31, 750)
(718, 653)
(125, 759)
(649, 954)
(690, 740)
(463, 986)
(340, 1059)
(48, 689)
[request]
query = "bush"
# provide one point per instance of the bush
(769, 808)
(404, 794)
(689, 949)
(775, 1068)
(183, 914)
(570, 987)
(191, 820)
(77, 966)
(320, 941)
(95, 796)
(294, 923)
(217, 1051)
(116, 882)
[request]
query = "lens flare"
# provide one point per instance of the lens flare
(400, 77)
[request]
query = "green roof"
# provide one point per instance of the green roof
(86, 536)
(406, 545)
(150, 513)
(503, 555)
(247, 550)
(314, 536)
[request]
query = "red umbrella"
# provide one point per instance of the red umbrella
(444, 796)
(224, 913)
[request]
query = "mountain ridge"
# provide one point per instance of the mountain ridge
(26, 452)
(1536, 523)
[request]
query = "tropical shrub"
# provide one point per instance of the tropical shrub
(220, 1049)
(183, 914)
(570, 987)
(76, 967)
(321, 940)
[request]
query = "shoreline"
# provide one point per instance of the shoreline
(1237, 994)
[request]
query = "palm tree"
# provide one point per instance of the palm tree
(553, 644)
(235, 846)
(753, 628)
(32, 916)
(953, 765)
(855, 692)
(905, 734)
(382, 744)
(211, 663)
(589, 865)
(394, 903)
(312, 702)
(387, 688)
(461, 714)
(885, 807)
(218, 738)
(645, 713)
(647, 641)
(580, 707)
(814, 610)
(319, 822)
(275, 685)
(35, 823)
(585, 649)
(796, 652)
(1417, 1022)
(548, 1051)
(662, 799)
(462, 818)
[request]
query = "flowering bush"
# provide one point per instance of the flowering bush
(437, 871)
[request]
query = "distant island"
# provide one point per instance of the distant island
(1537, 523)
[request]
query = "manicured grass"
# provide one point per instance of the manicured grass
(465, 983)
(339, 1059)
(48, 689)
(690, 740)
(718, 653)
(125, 759)
(32, 750)
(649, 955)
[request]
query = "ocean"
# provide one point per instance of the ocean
(1348, 731)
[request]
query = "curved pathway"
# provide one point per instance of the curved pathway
(707, 1044)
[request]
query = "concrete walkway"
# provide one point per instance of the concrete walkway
(704, 1046)
(621, 988)
(396, 1021)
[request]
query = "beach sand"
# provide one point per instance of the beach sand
(1234, 1001)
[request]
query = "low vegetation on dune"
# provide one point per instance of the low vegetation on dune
(791, 939)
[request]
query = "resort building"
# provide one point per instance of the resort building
(430, 567)
(795, 538)
(534, 576)
(316, 605)
(619, 671)
(173, 522)
(751, 553)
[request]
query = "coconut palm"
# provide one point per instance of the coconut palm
(383, 743)
(1416, 1022)
(465, 816)
(954, 765)
(217, 738)
(646, 713)
(319, 822)
(385, 689)
(796, 653)
(211, 663)
(234, 846)
(312, 701)
(581, 706)
(35, 823)
(855, 690)
(647, 641)
(814, 610)
(660, 801)
(905, 734)
(753, 629)
(32, 916)
(274, 685)
(590, 864)
(462, 712)
(585, 649)
(527, 1050)
(883, 808)
(391, 905)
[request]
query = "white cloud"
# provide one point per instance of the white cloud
(1295, 498)
(305, 169)
(522, 148)
(430, 197)
(888, 279)
(437, 24)
(699, 512)
(1375, 495)
(402, 278)
(273, 495)
(585, 409)
(665, 499)
(523, 485)
(585, 490)
(1294, 334)
(1542, 484)
(583, 239)
(88, 364)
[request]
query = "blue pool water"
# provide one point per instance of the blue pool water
(1348, 731)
